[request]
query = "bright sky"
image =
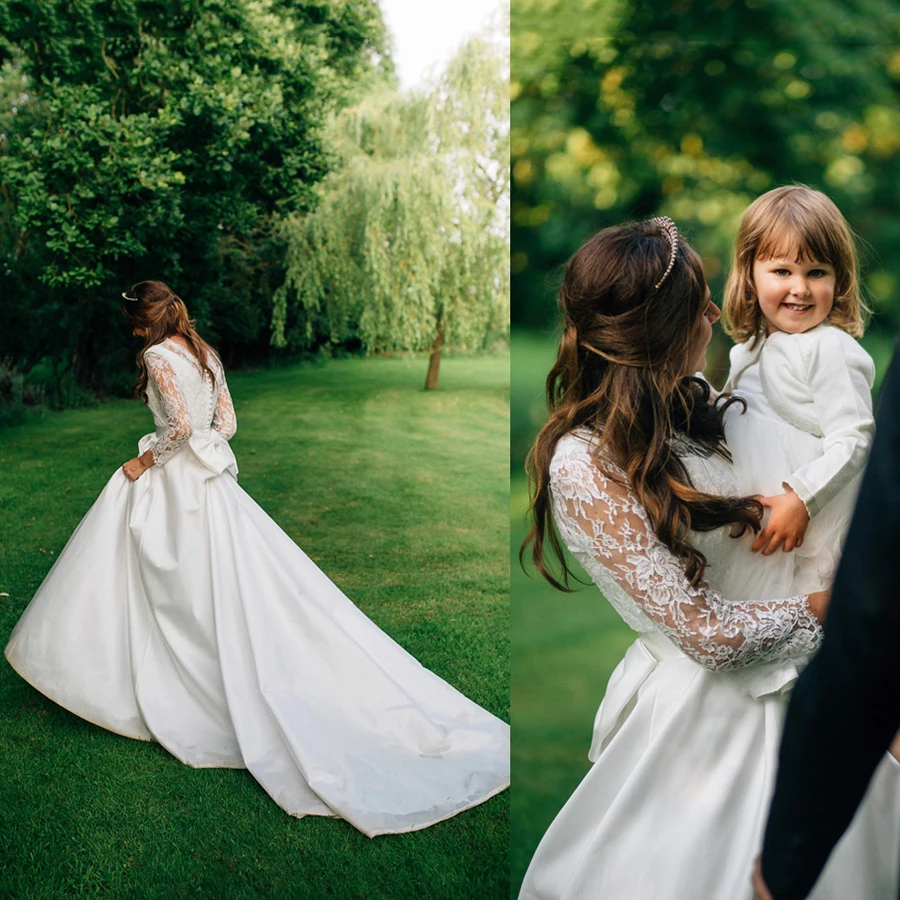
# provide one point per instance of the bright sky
(427, 32)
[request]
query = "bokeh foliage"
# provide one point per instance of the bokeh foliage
(624, 110)
(161, 140)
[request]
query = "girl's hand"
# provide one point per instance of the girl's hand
(136, 467)
(787, 524)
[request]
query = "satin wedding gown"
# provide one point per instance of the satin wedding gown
(685, 742)
(179, 612)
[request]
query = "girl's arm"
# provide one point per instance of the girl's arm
(821, 381)
(839, 376)
(605, 526)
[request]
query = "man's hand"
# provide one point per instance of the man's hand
(761, 892)
(787, 524)
(136, 467)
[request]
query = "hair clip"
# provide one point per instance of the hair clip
(132, 299)
(668, 230)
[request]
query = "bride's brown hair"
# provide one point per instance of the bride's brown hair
(160, 313)
(620, 371)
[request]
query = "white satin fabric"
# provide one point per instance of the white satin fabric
(180, 612)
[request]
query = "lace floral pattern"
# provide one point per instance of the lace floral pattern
(607, 530)
(184, 400)
(178, 420)
(224, 420)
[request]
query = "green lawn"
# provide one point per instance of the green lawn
(402, 497)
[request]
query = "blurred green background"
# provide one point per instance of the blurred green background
(625, 110)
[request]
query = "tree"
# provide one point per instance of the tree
(407, 247)
(625, 110)
(162, 139)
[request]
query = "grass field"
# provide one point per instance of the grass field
(402, 497)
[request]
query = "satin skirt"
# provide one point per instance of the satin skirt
(675, 805)
(180, 612)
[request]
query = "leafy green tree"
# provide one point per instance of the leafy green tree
(162, 140)
(407, 247)
(625, 110)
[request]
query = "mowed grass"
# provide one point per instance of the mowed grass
(402, 498)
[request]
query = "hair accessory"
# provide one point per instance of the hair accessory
(132, 299)
(670, 233)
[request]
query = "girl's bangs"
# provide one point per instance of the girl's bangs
(804, 240)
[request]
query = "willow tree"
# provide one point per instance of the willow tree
(407, 248)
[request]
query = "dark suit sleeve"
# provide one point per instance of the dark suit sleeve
(845, 707)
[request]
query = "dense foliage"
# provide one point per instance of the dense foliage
(626, 110)
(408, 246)
(161, 140)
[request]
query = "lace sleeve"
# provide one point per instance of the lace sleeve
(224, 419)
(603, 522)
(178, 421)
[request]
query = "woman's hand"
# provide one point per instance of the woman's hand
(136, 467)
(787, 523)
(818, 604)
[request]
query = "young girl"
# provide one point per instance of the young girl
(180, 612)
(792, 304)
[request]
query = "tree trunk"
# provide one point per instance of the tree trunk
(434, 363)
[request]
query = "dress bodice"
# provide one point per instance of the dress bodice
(198, 394)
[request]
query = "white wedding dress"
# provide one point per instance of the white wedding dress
(685, 742)
(179, 612)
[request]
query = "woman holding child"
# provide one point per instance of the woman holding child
(633, 469)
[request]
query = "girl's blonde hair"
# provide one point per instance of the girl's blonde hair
(793, 222)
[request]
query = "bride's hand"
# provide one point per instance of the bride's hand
(134, 468)
(818, 603)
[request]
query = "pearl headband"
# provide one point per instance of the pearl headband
(668, 230)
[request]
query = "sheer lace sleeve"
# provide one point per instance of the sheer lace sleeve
(178, 421)
(224, 420)
(605, 526)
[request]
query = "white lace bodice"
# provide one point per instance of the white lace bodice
(607, 530)
(183, 400)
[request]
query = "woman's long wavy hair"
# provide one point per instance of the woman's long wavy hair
(159, 313)
(620, 371)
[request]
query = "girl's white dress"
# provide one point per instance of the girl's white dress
(808, 425)
(179, 612)
(685, 742)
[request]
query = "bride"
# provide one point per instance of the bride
(179, 612)
(632, 468)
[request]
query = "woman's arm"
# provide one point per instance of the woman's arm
(603, 524)
(178, 421)
(224, 420)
